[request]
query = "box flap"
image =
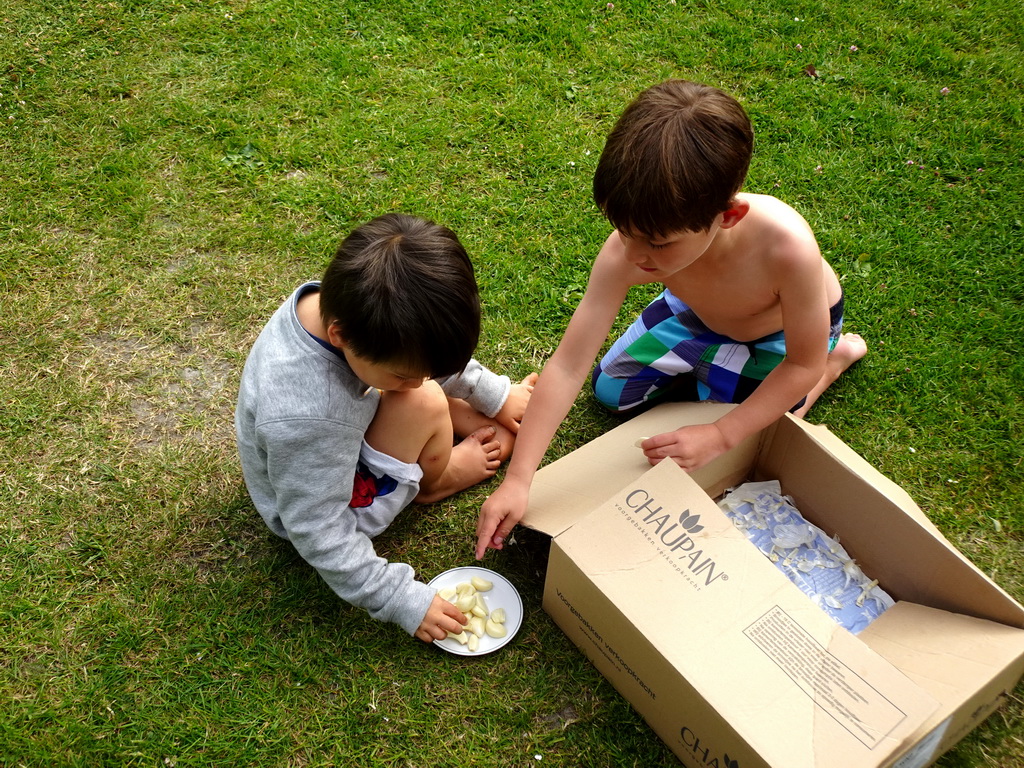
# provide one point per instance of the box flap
(879, 524)
(971, 666)
(570, 487)
(758, 650)
(945, 653)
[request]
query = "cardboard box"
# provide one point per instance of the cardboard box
(730, 664)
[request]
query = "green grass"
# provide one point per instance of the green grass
(172, 170)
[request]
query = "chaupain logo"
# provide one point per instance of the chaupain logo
(676, 535)
(703, 754)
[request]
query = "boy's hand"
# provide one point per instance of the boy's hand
(499, 515)
(442, 617)
(512, 411)
(690, 447)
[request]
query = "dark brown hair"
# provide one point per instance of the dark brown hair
(403, 291)
(675, 159)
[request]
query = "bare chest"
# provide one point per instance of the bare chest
(742, 306)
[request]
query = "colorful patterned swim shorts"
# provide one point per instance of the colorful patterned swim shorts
(668, 339)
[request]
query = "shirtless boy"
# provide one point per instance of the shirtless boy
(750, 313)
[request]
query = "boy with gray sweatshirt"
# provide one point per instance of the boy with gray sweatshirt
(349, 403)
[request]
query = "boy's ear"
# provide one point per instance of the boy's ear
(334, 335)
(734, 215)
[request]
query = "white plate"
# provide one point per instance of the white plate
(501, 595)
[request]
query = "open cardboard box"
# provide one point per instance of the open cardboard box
(730, 664)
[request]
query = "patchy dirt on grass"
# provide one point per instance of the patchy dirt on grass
(560, 720)
(158, 395)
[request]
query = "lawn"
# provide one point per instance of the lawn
(171, 171)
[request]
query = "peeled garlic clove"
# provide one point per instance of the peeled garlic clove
(494, 629)
(447, 594)
(640, 441)
(480, 609)
(462, 637)
(476, 626)
(474, 643)
(465, 588)
(476, 610)
(465, 603)
(498, 615)
(481, 584)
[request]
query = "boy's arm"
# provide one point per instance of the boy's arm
(312, 464)
(805, 322)
(492, 395)
(483, 389)
(555, 392)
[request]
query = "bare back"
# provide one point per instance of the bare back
(735, 287)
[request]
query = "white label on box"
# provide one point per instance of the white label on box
(922, 753)
(835, 688)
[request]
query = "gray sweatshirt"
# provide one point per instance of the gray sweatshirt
(300, 421)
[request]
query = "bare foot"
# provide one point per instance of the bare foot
(466, 421)
(850, 348)
(474, 459)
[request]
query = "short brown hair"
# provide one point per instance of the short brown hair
(675, 159)
(403, 291)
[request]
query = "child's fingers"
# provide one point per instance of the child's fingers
(482, 542)
(461, 618)
(484, 530)
(442, 617)
(502, 531)
(451, 624)
(499, 515)
(508, 422)
(665, 438)
(487, 538)
(428, 632)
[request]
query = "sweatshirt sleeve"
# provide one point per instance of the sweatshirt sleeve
(312, 463)
(484, 390)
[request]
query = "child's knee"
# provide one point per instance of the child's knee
(405, 421)
(607, 390)
(426, 403)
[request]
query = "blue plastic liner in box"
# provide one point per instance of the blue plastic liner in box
(809, 557)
